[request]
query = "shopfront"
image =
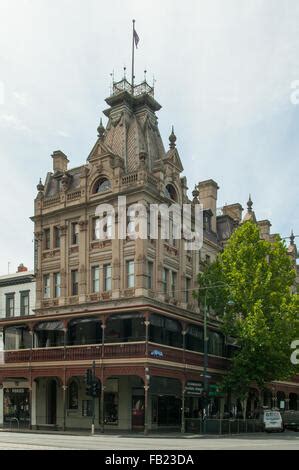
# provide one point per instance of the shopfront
(166, 402)
(16, 409)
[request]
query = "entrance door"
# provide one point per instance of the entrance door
(138, 412)
(51, 401)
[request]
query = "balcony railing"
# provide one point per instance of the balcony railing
(124, 85)
(113, 351)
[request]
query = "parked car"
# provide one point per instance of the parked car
(270, 420)
(291, 419)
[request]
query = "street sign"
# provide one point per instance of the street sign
(193, 388)
(215, 391)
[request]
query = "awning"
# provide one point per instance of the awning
(50, 326)
(126, 316)
(79, 321)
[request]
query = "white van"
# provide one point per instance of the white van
(272, 421)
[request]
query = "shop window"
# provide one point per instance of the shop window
(111, 399)
(16, 405)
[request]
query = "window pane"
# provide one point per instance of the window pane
(130, 274)
(47, 286)
(95, 279)
(150, 270)
(75, 282)
(75, 233)
(57, 282)
(107, 277)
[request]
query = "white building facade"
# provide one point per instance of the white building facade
(17, 299)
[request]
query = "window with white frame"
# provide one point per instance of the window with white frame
(107, 277)
(46, 286)
(57, 285)
(130, 274)
(95, 278)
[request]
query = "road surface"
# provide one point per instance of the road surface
(36, 441)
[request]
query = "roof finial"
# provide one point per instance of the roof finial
(195, 194)
(125, 72)
(101, 130)
(40, 187)
(249, 204)
(172, 139)
(145, 72)
(292, 238)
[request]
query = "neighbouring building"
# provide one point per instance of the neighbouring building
(17, 300)
(125, 304)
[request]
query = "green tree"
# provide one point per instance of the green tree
(249, 287)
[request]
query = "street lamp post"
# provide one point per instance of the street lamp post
(205, 374)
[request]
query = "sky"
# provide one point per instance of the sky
(226, 76)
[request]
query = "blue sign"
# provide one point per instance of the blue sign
(156, 353)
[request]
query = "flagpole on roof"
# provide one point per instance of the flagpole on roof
(133, 56)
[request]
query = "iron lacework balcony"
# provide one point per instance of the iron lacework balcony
(136, 90)
(112, 351)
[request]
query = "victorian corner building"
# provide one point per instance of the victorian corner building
(125, 304)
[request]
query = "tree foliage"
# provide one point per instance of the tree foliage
(249, 288)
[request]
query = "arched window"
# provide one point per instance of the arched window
(194, 338)
(216, 344)
(73, 401)
(170, 192)
(103, 184)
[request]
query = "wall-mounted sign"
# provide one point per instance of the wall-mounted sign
(193, 388)
(156, 353)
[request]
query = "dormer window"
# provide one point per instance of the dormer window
(207, 216)
(103, 184)
(170, 192)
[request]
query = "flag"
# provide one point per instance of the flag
(136, 38)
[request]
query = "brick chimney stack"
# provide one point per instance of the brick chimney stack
(22, 268)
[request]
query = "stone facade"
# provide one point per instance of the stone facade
(82, 278)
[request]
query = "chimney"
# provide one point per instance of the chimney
(22, 268)
(60, 161)
(234, 211)
(208, 198)
(264, 226)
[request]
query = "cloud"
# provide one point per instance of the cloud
(13, 122)
(224, 72)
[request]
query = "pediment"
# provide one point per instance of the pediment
(172, 157)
